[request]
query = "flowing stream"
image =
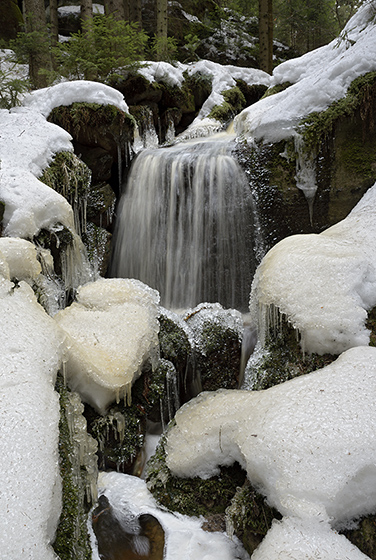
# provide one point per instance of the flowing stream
(185, 225)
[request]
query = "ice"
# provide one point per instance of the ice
(112, 330)
(31, 350)
(308, 444)
(319, 78)
(324, 283)
(184, 537)
(21, 258)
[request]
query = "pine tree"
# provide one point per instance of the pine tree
(266, 35)
(37, 42)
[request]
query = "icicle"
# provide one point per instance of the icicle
(120, 170)
(305, 174)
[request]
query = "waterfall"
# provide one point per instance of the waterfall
(185, 225)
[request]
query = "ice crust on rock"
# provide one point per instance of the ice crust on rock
(31, 352)
(112, 330)
(319, 78)
(324, 283)
(308, 444)
(21, 258)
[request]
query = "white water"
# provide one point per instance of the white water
(185, 225)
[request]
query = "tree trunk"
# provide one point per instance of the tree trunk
(161, 28)
(266, 35)
(86, 10)
(54, 25)
(135, 14)
(39, 54)
(114, 8)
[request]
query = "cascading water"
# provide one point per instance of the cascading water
(185, 225)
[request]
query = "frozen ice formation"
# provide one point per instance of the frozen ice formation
(308, 445)
(112, 330)
(19, 258)
(31, 353)
(324, 283)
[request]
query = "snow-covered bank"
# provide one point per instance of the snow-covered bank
(319, 78)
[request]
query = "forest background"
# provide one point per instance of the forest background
(256, 33)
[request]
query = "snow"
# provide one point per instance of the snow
(112, 330)
(27, 145)
(308, 444)
(185, 539)
(31, 346)
(319, 78)
(324, 283)
(46, 99)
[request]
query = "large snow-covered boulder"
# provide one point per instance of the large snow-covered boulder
(308, 444)
(112, 330)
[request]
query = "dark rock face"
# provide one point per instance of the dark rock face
(342, 142)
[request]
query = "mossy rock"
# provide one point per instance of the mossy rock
(101, 201)
(137, 90)
(97, 241)
(218, 335)
(282, 359)
(364, 536)
(69, 176)
(175, 346)
(276, 89)
(341, 142)
(234, 102)
(252, 93)
(72, 539)
(93, 124)
(249, 517)
(120, 432)
(191, 496)
(200, 85)
(11, 20)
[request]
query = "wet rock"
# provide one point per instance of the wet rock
(140, 538)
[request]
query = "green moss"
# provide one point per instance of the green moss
(72, 540)
(283, 359)
(234, 102)
(68, 175)
(120, 435)
(80, 116)
(249, 516)
(317, 126)
(364, 536)
(192, 496)
(276, 89)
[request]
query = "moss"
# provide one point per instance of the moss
(72, 540)
(283, 359)
(252, 93)
(371, 325)
(364, 536)
(192, 496)
(120, 435)
(249, 516)
(317, 126)
(68, 175)
(276, 89)
(200, 85)
(234, 102)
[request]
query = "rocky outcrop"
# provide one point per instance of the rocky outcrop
(340, 142)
